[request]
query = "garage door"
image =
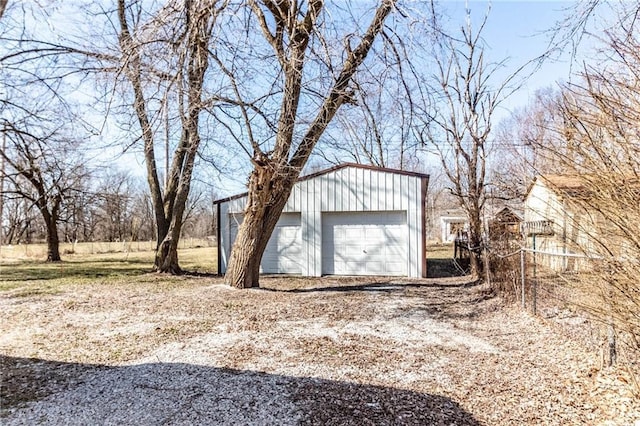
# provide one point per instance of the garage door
(364, 243)
(282, 255)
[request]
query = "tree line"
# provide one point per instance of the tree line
(112, 207)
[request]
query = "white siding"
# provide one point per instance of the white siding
(347, 189)
(542, 204)
(569, 227)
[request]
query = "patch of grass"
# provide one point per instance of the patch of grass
(199, 260)
(38, 251)
(439, 251)
(31, 278)
(70, 270)
(440, 261)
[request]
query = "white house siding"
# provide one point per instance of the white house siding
(543, 203)
(345, 189)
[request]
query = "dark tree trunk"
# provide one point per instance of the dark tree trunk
(167, 253)
(252, 239)
(53, 242)
(169, 207)
(167, 257)
(275, 173)
(163, 248)
(475, 239)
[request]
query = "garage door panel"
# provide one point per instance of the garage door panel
(364, 243)
(375, 267)
(284, 251)
(394, 250)
(375, 234)
(396, 268)
(353, 233)
(372, 251)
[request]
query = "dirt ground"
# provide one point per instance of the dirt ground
(298, 351)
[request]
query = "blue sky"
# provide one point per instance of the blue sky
(519, 31)
(516, 30)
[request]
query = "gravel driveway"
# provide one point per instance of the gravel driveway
(299, 351)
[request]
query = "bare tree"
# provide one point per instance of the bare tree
(20, 218)
(524, 140)
(149, 60)
(43, 132)
(51, 167)
(113, 205)
(602, 145)
(294, 32)
(188, 34)
(460, 125)
(378, 131)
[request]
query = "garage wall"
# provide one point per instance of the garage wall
(349, 188)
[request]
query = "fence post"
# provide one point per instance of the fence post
(522, 277)
(534, 290)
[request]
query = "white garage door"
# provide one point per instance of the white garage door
(282, 255)
(364, 243)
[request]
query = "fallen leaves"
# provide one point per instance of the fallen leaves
(351, 350)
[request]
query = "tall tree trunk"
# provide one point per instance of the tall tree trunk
(53, 243)
(169, 207)
(275, 173)
(179, 184)
(167, 252)
(268, 195)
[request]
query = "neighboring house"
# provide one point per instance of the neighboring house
(347, 220)
(555, 221)
(452, 223)
(505, 223)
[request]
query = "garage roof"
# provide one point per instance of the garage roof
(333, 169)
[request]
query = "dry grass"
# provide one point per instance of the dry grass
(38, 251)
(341, 350)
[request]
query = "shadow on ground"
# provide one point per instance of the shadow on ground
(90, 269)
(389, 286)
(32, 270)
(50, 392)
(446, 268)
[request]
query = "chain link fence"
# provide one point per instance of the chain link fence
(572, 290)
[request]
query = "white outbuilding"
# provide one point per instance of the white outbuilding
(351, 219)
